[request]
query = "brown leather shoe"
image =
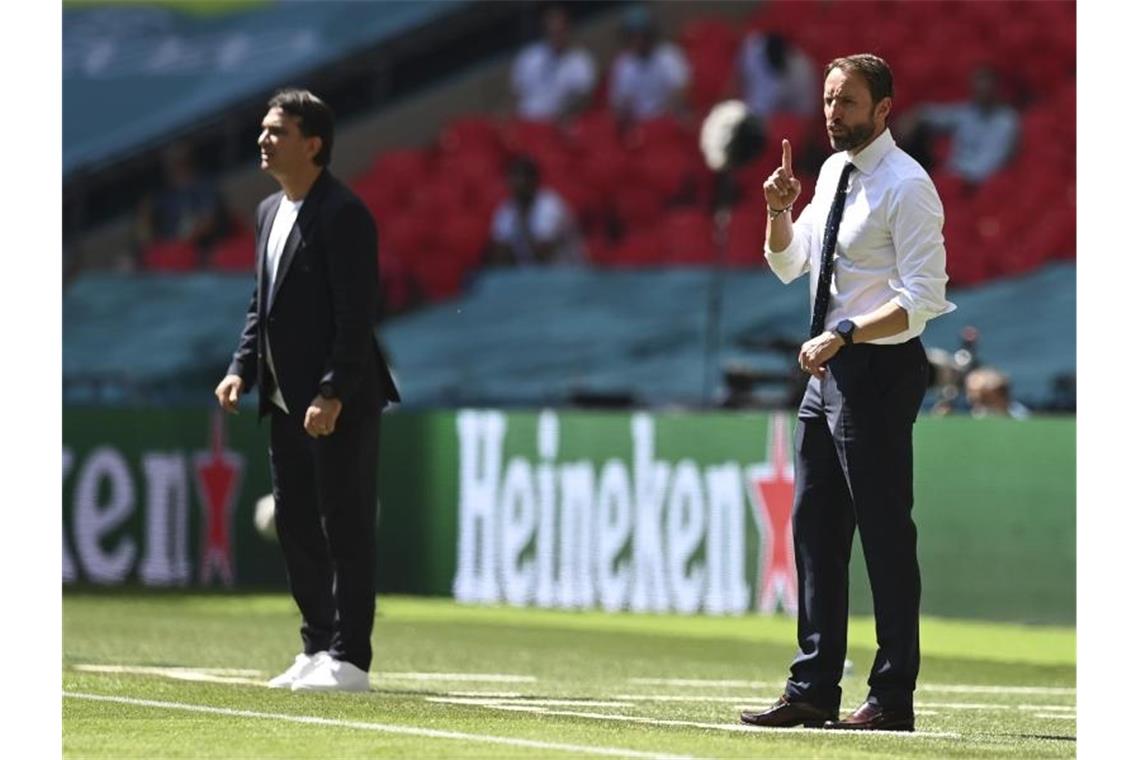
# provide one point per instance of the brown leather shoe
(786, 714)
(871, 717)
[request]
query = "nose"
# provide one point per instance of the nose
(263, 138)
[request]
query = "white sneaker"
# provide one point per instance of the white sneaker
(333, 675)
(302, 665)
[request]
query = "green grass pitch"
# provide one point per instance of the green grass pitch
(153, 675)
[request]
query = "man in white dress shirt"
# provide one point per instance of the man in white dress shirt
(550, 79)
(871, 243)
(649, 78)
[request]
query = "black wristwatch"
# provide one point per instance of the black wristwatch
(846, 330)
(327, 390)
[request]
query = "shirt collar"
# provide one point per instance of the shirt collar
(867, 159)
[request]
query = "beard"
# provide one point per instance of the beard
(854, 136)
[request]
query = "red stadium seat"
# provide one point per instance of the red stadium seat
(637, 206)
(170, 256)
(532, 137)
(438, 275)
(594, 130)
(687, 237)
(746, 236)
(406, 236)
(464, 239)
(472, 135)
(639, 248)
(234, 254)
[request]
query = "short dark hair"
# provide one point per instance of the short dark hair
(874, 70)
(315, 118)
(522, 165)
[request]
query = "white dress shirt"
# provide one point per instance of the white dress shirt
(546, 81)
(766, 91)
(644, 87)
(890, 245)
(982, 140)
(278, 233)
(549, 220)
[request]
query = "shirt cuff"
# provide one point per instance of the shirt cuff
(918, 314)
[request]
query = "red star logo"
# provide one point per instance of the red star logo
(218, 477)
(772, 493)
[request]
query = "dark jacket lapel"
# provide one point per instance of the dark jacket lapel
(306, 216)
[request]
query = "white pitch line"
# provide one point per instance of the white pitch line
(685, 698)
(182, 674)
(706, 683)
(1055, 716)
(951, 688)
(486, 677)
(1065, 708)
(484, 702)
(987, 689)
(381, 727)
(750, 701)
(963, 705)
(734, 727)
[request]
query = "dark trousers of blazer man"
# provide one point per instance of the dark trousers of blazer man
(854, 468)
(318, 317)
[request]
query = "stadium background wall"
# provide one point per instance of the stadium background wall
(678, 511)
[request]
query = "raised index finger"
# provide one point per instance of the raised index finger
(787, 158)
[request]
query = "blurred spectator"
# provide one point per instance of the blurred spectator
(988, 392)
(649, 77)
(534, 225)
(775, 76)
(187, 208)
(551, 80)
(983, 131)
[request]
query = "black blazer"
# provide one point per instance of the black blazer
(320, 313)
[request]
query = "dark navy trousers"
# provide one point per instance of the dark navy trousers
(326, 489)
(854, 469)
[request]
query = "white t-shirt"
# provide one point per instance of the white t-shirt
(278, 233)
(546, 82)
(767, 91)
(644, 87)
(550, 221)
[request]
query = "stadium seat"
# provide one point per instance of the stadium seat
(464, 238)
(638, 248)
(472, 135)
(746, 236)
(170, 256)
(406, 235)
(637, 206)
(661, 133)
(437, 274)
(532, 138)
(687, 237)
(594, 130)
(234, 254)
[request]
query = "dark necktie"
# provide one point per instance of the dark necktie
(827, 259)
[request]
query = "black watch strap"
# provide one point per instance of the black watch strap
(327, 390)
(846, 330)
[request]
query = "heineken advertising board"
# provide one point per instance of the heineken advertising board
(678, 511)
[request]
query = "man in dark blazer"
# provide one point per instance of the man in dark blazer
(309, 348)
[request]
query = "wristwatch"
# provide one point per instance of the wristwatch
(327, 390)
(846, 330)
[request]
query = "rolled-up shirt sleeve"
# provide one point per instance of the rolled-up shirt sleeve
(791, 262)
(915, 218)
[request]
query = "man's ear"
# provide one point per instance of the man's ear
(313, 145)
(883, 108)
